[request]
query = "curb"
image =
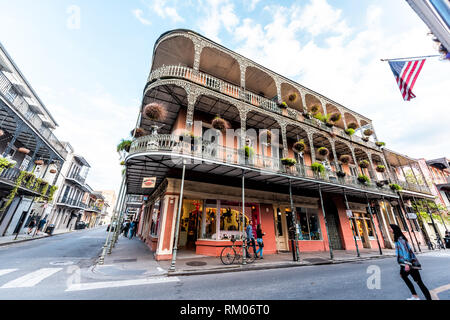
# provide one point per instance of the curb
(269, 266)
(31, 239)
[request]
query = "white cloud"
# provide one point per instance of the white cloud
(343, 63)
(161, 8)
(253, 4)
(138, 13)
(217, 13)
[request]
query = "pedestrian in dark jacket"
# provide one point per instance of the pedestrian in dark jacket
(31, 225)
(259, 240)
(131, 230)
(409, 264)
(126, 226)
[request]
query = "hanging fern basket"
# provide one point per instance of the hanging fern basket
(155, 111)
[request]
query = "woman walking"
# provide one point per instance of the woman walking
(259, 240)
(409, 265)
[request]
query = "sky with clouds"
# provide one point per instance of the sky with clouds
(89, 61)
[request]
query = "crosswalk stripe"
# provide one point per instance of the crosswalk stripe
(121, 283)
(31, 279)
(6, 271)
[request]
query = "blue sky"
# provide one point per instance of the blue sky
(91, 77)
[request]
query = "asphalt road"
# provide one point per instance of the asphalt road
(45, 269)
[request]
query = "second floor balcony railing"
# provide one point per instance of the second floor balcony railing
(12, 174)
(77, 178)
(22, 106)
(72, 202)
(216, 84)
(203, 150)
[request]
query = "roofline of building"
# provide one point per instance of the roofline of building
(255, 63)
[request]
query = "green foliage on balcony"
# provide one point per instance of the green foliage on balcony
(395, 187)
(124, 145)
(368, 132)
(249, 152)
(317, 167)
(381, 168)
(364, 164)
(292, 97)
(335, 117)
(299, 146)
(350, 131)
(52, 193)
(283, 105)
(13, 192)
(6, 164)
(363, 179)
(289, 162)
(380, 144)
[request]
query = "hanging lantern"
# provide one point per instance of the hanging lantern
(52, 170)
(39, 162)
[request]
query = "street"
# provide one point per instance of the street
(55, 268)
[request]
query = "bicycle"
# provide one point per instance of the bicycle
(231, 253)
(439, 245)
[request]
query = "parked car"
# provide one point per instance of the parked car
(80, 225)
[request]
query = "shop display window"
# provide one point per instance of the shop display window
(155, 218)
(309, 222)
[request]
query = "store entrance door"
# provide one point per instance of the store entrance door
(190, 224)
(281, 232)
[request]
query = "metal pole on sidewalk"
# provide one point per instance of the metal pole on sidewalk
(373, 224)
(294, 222)
(244, 237)
(438, 236)
(119, 216)
(410, 223)
(103, 254)
(24, 221)
(352, 225)
(401, 213)
(326, 224)
(177, 225)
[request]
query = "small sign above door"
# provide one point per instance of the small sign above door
(148, 182)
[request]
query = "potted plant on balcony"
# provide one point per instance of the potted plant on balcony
(395, 187)
(318, 168)
(53, 171)
(292, 97)
(380, 184)
(363, 179)
(341, 174)
(380, 168)
(220, 124)
(306, 114)
(124, 145)
(364, 164)
(335, 117)
(288, 162)
(314, 109)
(366, 139)
(283, 105)
(345, 158)
(155, 111)
(39, 162)
(23, 150)
(380, 144)
(249, 152)
(299, 146)
(368, 132)
(322, 151)
(350, 131)
(6, 164)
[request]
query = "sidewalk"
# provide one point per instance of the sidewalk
(133, 259)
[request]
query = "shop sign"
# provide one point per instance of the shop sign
(349, 213)
(411, 215)
(148, 182)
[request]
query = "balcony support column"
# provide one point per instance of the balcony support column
(243, 67)
(388, 168)
(284, 139)
(311, 147)
(244, 236)
(369, 208)
(295, 223)
(401, 168)
(430, 213)
(410, 223)
(415, 177)
(302, 94)
(192, 98)
(354, 158)
(17, 132)
(39, 145)
(198, 48)
(326, 224)
(50, 160)
(352, 224)
(333, 149)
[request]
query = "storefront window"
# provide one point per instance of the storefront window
(309, 224)
(209, 227)
(155, 218)
(369, 228)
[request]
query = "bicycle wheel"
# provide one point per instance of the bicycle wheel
(227, 255)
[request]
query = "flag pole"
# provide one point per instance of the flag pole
(435, 55)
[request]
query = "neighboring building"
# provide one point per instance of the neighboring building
(436, 15)
(95, 208)
(110, 199)
(26, 140)
(133, 205)
(69, 206)
(197, 80)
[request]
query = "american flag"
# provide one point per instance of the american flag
(406, 73)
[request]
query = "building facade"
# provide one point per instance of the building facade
(318, 180)
(31, 155)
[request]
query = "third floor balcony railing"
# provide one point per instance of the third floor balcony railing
(72, 202)
(22, 106)
(171, 143)
(214, 84)
(77, 178)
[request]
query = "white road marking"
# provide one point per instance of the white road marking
(434, 293)
(121, 283)
(160, 269)
(31, 279)
(6, 271)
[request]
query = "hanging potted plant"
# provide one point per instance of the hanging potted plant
(395, 187)
(139, 132)
(248, 153)
(306, 114)
(380, 144)
(335, 117)
(350, 131)
(314, 109)
(52, 170)
(341, 174)
(345, 158)
(380, 184)
(368, 132)
(299, 146)
(380, 168)
(23, 150)
(364, 164)
(363, 179)
(317, 168)
(155, 111)
(352, 125)
(292, 97)
(323, 151)
(288, 162)
(220, 124)
(283, 105)
(366, 139)
(39, 162)
(124, 145)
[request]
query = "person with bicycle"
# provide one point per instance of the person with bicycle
(250, 239)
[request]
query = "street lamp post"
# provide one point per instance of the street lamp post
(294, 222)
(353, 225)
(326, 224)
